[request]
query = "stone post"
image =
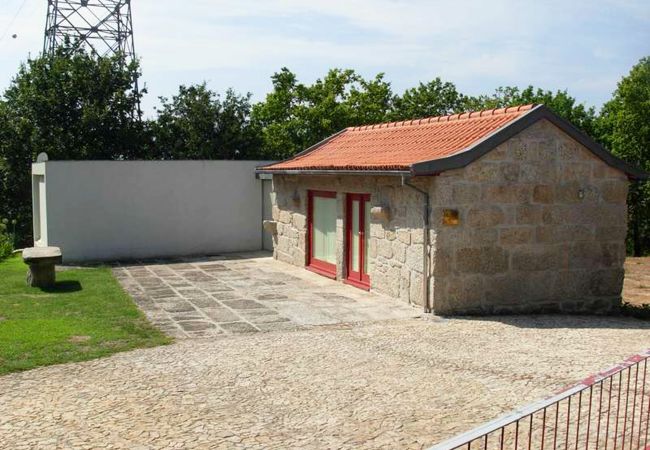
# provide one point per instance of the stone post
(42, 262)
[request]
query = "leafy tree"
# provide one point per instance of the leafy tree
(7, 238)
(435, 98)
(15, 170)
(624, 125)
(370, 101)
(198, 124)
(560, 102)
(78, 106)
(295, 116)
(71, 105)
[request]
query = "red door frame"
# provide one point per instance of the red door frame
(358, 279)
(316, 265)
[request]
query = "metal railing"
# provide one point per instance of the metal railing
(609, 410)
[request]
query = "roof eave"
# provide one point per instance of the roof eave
(501, 135)
(309, 149)
(331, 172)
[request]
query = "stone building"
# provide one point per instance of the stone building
(507, 210)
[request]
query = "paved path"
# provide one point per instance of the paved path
(393, 384)
(245, 293)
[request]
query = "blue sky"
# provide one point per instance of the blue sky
(582, 46)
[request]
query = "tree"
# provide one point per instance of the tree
(71, 105)
(624, 126)
(370, 101)
(295, 116)
(560, 102)
(198, 124)
(435, 98)
(15, 169)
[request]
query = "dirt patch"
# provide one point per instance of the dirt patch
(114, 344)
(78, 339)
(636, 288)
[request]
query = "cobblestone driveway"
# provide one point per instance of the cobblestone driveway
(391, 384)
(249, 292)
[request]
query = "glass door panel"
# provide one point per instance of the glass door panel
(325, 229)
(366, 235)
(355, 255)
(322, 232)
(358, 225)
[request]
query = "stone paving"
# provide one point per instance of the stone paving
(245, 293)
(371, 385)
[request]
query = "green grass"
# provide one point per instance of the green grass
(86, 315)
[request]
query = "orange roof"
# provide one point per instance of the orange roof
(399, 145)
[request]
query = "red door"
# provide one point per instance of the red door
(357, 233)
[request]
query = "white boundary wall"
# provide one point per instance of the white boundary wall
(110, 210)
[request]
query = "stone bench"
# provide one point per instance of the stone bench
(41, 262)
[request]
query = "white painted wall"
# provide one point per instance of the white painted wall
(267, 213)
(109, 210)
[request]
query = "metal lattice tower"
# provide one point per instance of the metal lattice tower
(105, 27)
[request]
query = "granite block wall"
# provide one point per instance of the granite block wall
(541, 227)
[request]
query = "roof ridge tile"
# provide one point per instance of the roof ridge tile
(397, 145)
(445, 118)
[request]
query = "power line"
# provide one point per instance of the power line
(11, 22)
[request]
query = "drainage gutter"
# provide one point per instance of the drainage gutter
(428, 307)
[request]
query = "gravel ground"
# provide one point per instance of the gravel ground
(393, 384)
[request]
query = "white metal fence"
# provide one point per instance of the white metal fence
(610, 410)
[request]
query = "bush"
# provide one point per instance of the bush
(6, 238)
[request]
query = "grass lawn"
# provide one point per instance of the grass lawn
(85, 316)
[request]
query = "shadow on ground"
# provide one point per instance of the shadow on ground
(162, 261)
(61, 287)
(559, 321)
(641, 311)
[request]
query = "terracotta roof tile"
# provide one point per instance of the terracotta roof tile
(398, 145)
